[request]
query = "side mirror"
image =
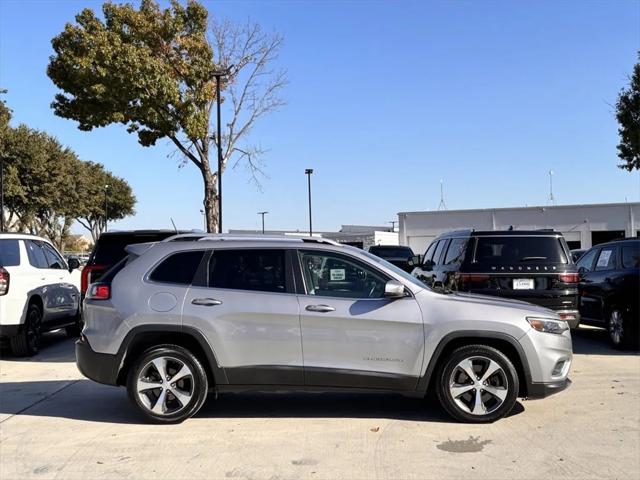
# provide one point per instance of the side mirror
(73, 264)
(393, 289)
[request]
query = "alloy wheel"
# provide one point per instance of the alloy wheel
(165, 385)
(616, 327)
(478, 385)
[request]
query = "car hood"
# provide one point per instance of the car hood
(501, 302)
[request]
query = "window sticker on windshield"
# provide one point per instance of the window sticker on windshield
(603, 261)
(337, 274)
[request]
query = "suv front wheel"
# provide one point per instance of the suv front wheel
(167, 383)
(477, 384)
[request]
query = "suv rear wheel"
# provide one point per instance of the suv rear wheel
(477, 384)
(27, 342)
(167, 383)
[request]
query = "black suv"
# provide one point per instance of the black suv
(396, 254)
(109, 250)
(533, 266)
(610, 290)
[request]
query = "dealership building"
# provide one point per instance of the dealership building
(582, 225)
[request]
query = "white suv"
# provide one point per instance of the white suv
(39, 292)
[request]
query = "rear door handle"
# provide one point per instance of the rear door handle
(320, 308)
(206, 302)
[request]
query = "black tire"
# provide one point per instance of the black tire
(506, 380)
(623, 330)
(73, 331)
(27, 342)
(198, 388)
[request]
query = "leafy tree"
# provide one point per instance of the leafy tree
(153, 70)
(93, 192)
(628, 115)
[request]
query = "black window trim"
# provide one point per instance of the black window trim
(304, 290)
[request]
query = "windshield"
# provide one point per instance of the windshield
(390, 252)
(396, 270)
(517, 249)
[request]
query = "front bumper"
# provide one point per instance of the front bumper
(542, 390)
(100, 367)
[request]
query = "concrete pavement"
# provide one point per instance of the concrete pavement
(55, 424)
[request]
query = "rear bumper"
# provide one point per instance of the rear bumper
(542, 390)
(99, 367)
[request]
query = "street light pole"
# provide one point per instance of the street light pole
(308, 173)
(204, 219)
(106, 212)
(263, 214)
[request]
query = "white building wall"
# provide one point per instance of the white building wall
(576, 222)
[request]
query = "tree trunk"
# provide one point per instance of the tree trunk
(210, 200)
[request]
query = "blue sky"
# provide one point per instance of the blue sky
(385, 99)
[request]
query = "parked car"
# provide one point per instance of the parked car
(396, 254)
(109, 250)
(577, 253)
(610, 290)
(39, 292)
(176, 319)
(533, 266)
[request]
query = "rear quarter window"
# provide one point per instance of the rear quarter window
(631, 256)
(9, 253)
(178, 268)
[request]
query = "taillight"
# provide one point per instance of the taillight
(4, 281)
(569, 277)
(99, 291)
(85, 278)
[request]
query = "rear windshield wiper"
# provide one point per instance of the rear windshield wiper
(525, 259)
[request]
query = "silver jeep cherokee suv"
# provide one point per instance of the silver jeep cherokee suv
(194, 313)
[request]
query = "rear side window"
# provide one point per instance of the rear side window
(456, 250)
(9, 253)
(179, 268)
(606, 259)
(257, 270)
(631, 256)
(36, 255)
(515, 249)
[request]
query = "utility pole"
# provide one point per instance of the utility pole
(308, 173)
(552, 200)
(106, 211)
(393, 225)
(263, 214)
(1, 194)
(218, 74)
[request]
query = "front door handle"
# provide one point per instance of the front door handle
(206, 302)
(320, 308)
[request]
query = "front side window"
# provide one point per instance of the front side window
(9, 253)
(438, 254)
(179, 268)
(255, 270)
(456, 250)
(332, 275)
(631, 255)
(586, 261)
(54, 260)
(428, 255)
(606, 259)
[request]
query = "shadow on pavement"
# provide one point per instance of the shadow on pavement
(54, 347)
(88, 401)
(589, 340)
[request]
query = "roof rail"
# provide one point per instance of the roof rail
(226, 237)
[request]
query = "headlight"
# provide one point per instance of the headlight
(548, 325)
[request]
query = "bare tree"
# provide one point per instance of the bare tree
(253, 89)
